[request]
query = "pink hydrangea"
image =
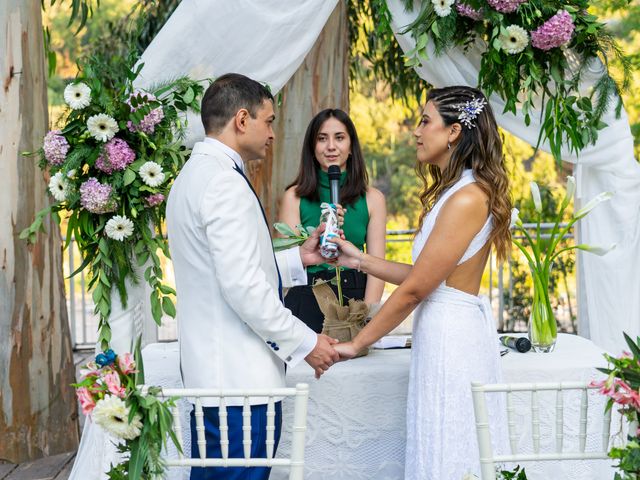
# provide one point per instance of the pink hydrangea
(467, 11)
(55, 147)
(150, 120)
(126, 363)
(555, 32)
(506, 6)
(96, 197)
(112, 381)
(87, 403)
(155, 199)
(117, 154)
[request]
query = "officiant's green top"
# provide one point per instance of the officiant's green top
(356, 219)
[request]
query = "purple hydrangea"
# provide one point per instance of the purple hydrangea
(55, 147)
(150, 120)
(555, 32)
(506, 6)
(467, 11)
(96, 197)
(117, 155)
(155, 199)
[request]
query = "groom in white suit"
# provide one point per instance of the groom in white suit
(234, 331)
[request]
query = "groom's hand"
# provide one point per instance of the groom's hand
(323, 355)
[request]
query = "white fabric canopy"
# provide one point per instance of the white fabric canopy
(268, 40)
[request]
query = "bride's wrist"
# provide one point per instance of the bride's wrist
(360, 262)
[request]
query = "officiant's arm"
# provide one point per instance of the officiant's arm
(460, 219)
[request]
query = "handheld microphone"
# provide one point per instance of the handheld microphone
(521, 344)
(334, 183)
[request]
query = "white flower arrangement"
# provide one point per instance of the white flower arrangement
(58, 187)
(114, 211)
(514, 40)
(442, 7)
(112, 414)
(541, 254)
(102, 127)
(119, 227)
(77, 95)
(151, 174)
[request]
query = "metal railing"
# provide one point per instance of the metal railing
(83, 322)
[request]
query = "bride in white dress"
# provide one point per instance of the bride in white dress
(466, 209)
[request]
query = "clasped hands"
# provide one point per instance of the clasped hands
(328, 350)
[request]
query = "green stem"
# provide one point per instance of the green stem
(340, 300)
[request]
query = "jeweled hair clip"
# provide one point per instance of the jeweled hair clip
(470, 110)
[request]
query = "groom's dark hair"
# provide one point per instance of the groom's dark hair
(228, 94)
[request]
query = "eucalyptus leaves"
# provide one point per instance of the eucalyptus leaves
(531, 50)
(111, 165)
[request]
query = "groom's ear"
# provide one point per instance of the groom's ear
(241, 119)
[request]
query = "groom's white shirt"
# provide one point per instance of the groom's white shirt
(233, 330)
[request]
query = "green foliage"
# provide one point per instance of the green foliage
(622, 386)
(515, 474)
(376, 54)
(569, 117)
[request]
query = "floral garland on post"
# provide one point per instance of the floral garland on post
(111, 165)
(531, 48)
(110, 394)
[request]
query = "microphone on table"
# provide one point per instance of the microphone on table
(521, 344)
(334, 183)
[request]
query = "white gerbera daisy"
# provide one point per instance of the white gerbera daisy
(58, 187)
(77, 95)
(102, 127)
(151, 174)
(442, 7)
(119, 227)
(112, 414)
(514, 40)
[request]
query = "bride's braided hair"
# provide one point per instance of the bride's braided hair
(478, 147)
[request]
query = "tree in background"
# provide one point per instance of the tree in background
(38, 414)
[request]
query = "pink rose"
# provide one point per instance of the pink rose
(126, 363)
(112, 381)
(86, 400)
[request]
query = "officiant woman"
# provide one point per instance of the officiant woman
(331, 139)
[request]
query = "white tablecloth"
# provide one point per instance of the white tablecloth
(356, 419)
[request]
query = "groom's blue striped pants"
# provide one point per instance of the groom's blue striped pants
(236, 450)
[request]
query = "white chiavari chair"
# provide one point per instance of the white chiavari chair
(295, 462)
(488, 459)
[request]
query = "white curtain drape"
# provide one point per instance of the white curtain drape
(268, 40)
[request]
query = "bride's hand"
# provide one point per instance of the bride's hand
(346, 350)
(350, 255)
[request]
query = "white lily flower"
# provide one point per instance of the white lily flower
(596, 249)
(535, 194)
(515, 218)
(601, 197)
(571, 189)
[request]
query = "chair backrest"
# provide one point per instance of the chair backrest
(295, 462)
(487, 458)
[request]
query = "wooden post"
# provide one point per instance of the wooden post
(322, 81)
(38, 409)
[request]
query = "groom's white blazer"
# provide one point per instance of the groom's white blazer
(233, 330)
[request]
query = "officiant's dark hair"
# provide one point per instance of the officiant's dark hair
(228, 94)
(306, 181)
